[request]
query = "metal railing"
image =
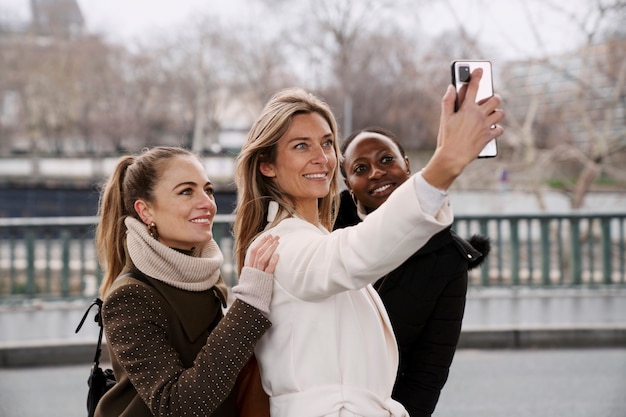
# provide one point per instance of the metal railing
(55, 257)
(550, 250)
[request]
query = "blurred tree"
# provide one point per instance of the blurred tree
(332, 36)
(368, 67)
(368, 59)
(568, 120)
(209, 64)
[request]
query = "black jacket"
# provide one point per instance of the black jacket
(425, 300)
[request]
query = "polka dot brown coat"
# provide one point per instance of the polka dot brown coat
(172, 352)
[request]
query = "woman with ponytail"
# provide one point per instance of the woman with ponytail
(173, 352)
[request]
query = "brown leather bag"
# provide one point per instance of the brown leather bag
(252, 401)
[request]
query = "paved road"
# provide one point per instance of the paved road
(536, 383)
(483, 383)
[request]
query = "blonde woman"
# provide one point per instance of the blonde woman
(331, 350)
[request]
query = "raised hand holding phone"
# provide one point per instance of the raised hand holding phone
(462, 134)
(461, 75)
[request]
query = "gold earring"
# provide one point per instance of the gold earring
(353, 198)
(152, 229)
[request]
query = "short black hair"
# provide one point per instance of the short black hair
(373, 129)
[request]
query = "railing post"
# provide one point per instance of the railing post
(529, 249)
(514, 233)
(559, 255)
(484, 271)
(98, 273)
(83, 261)
(65, 260)
(576, 252)
(12, 271)
(31, 288)
(606, 250)
(500, 243)
(48, 257)
(545, 251)
(590, 252)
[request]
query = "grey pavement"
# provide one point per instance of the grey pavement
(537, 317)
(41, 333)
(482, 383)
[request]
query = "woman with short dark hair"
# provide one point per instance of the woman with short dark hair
(425, 296)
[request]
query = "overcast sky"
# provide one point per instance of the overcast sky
(500, 23)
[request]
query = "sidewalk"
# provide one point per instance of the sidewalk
(42, 333)
(544, 318)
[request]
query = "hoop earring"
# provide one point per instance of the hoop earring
(356, 203)
(152, 229)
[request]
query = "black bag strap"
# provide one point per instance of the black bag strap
(98, 319)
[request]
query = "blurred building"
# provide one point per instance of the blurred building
(41, 19)
(56, 18)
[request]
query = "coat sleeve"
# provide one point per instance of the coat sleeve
(314, 265)
(136, 331)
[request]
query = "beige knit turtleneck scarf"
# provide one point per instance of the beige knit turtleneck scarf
(198, 272)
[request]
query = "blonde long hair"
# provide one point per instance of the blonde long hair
(254, 190)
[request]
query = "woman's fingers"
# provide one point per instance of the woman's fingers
(267, 258)
(472, 87)
(491, 104)
(271, 264)
(262, 254)
(495, 117)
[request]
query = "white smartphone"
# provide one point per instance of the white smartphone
(461, 72)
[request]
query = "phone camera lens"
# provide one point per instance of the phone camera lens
(464, 73)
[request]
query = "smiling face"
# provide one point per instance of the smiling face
(305, 163)
(374, 167)
(184, 206)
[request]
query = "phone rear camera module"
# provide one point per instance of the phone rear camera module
(464, 73)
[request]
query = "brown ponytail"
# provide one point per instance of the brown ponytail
(110, 230)
(134, 178)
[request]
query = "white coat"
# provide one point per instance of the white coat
(331, 349)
